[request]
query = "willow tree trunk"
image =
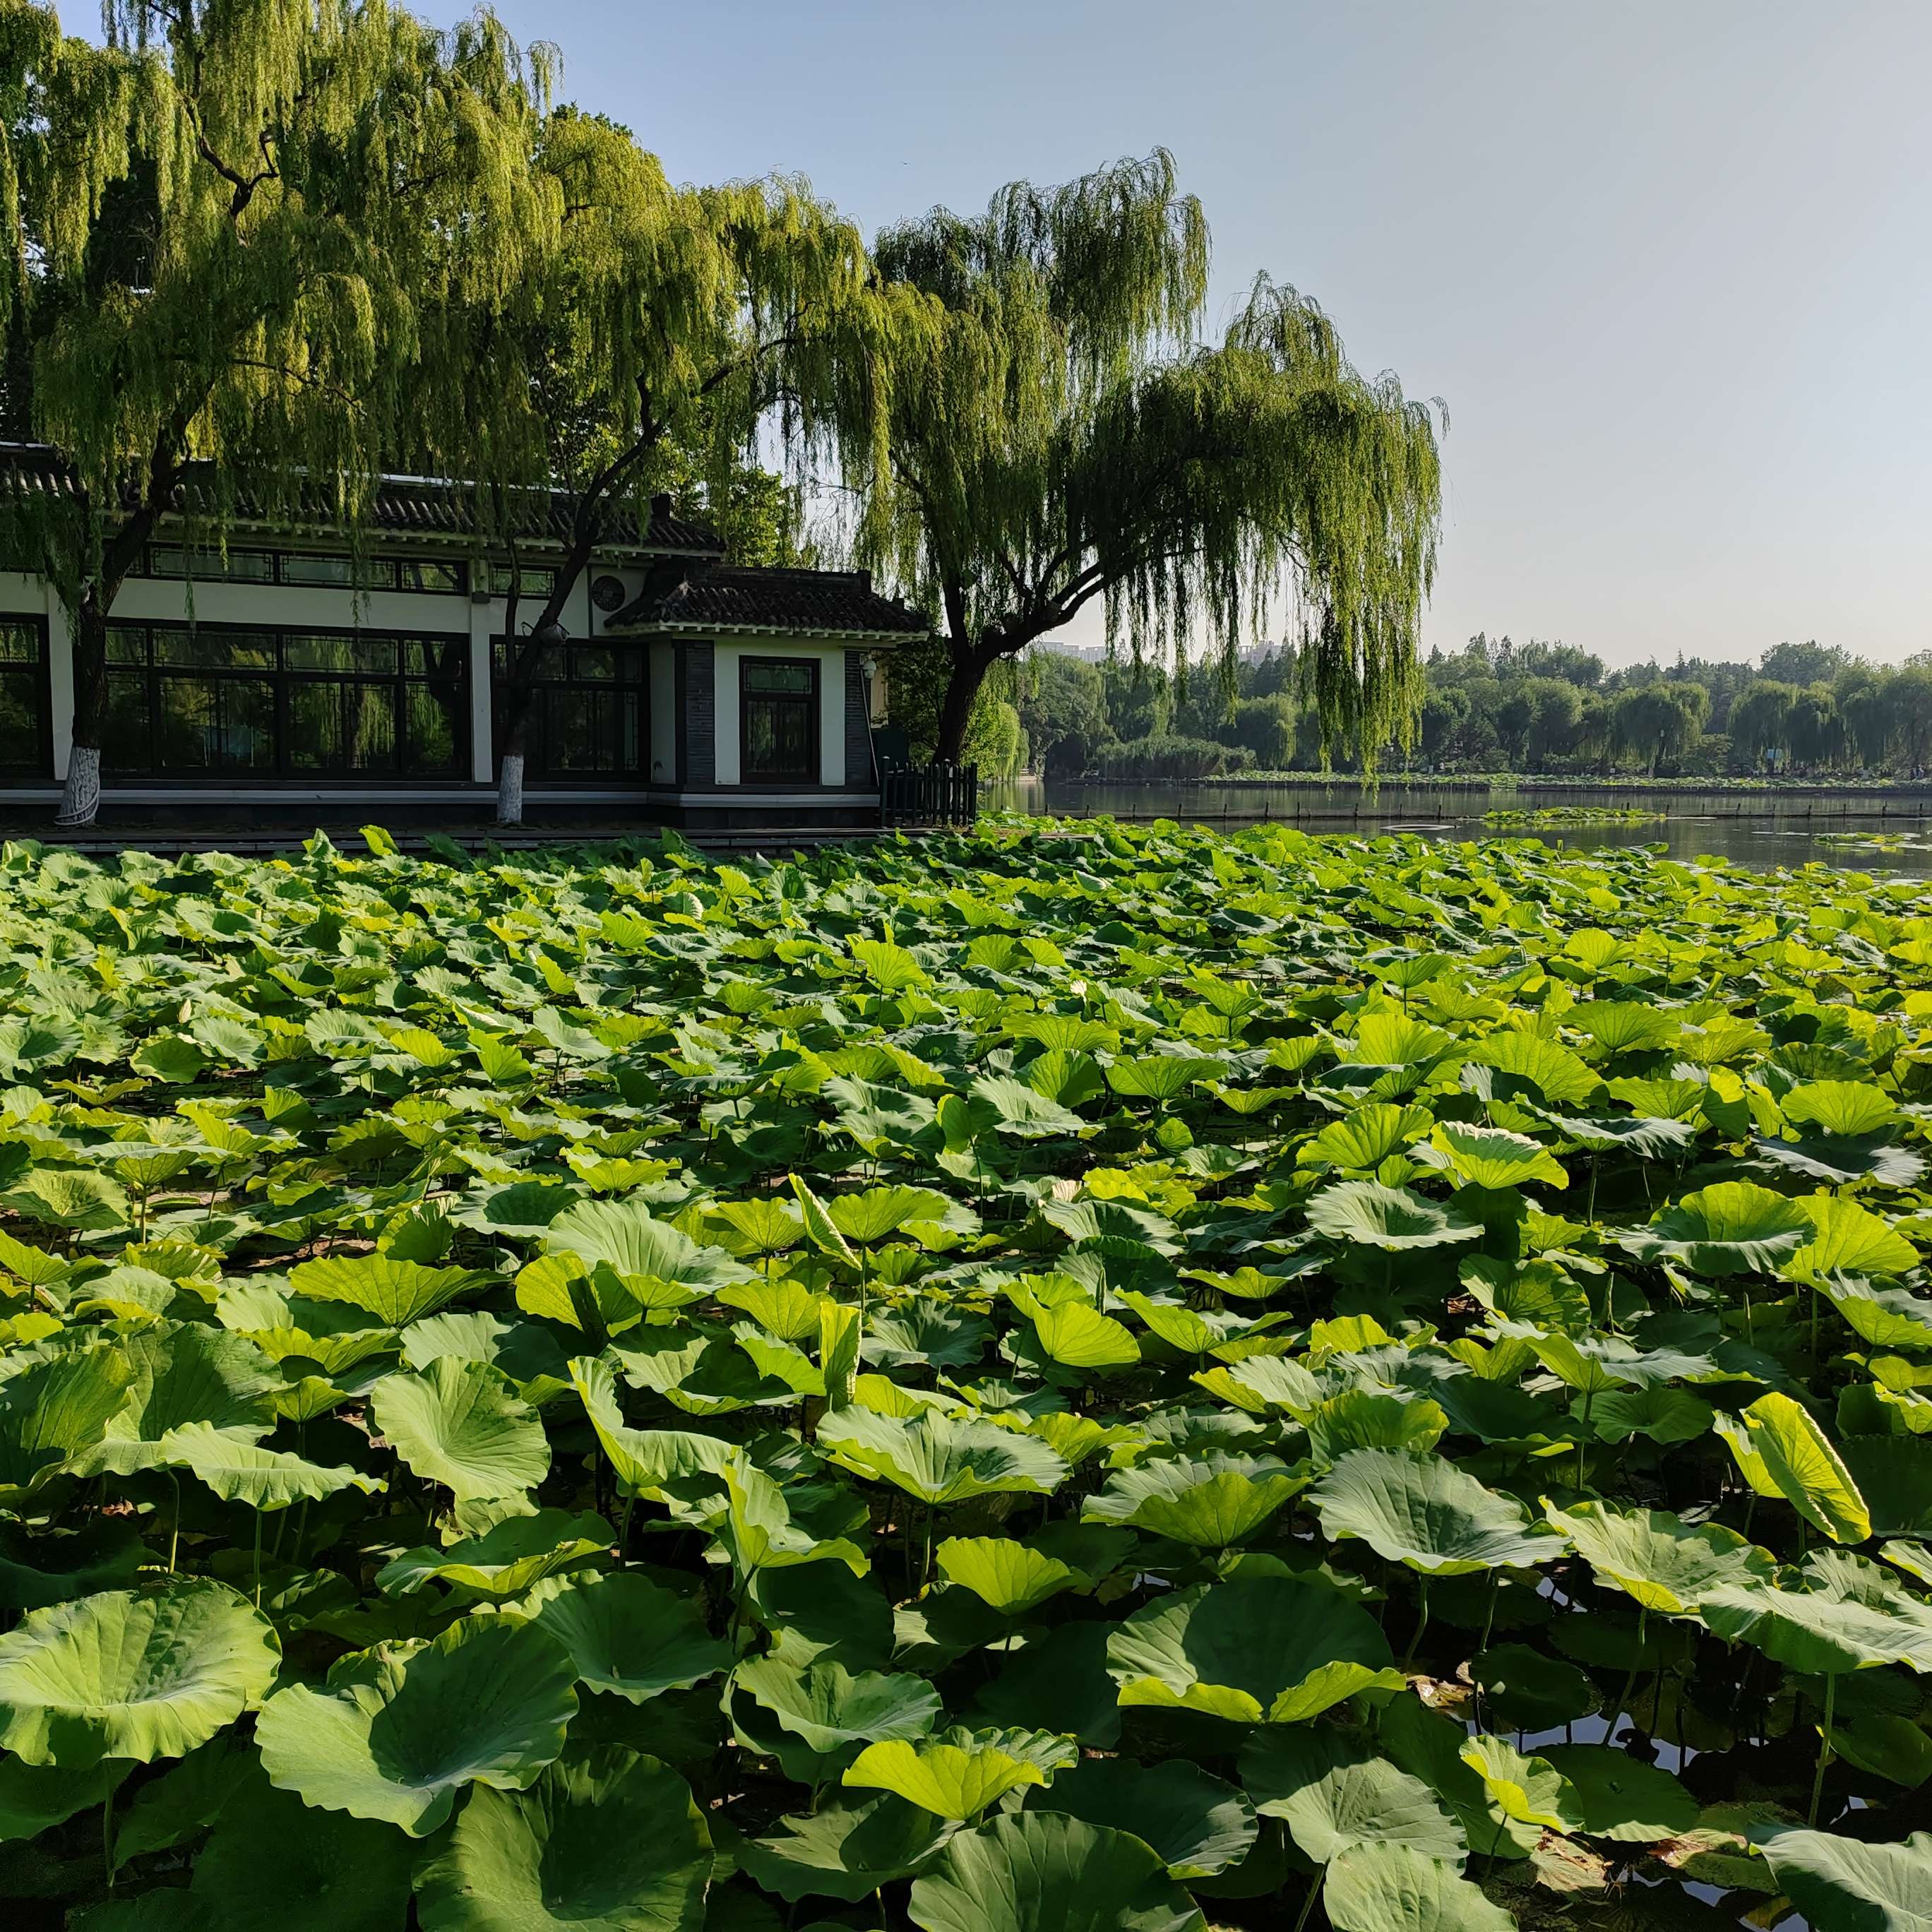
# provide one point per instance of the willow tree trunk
(520, 698)
(80, 792)
(970, 666)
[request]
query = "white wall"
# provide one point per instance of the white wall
(831, 703)
(663, 661)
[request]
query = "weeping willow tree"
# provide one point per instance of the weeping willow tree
(671, 327)
(228, 234)
(1056, 436)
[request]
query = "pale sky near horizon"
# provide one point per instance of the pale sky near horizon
(1666, 262)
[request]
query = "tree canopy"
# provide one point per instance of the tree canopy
(228, 235)
(1058, 435)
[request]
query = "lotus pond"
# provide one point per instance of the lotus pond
(1078, 1378)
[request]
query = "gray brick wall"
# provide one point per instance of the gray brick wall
(698, 703)
(859, 772)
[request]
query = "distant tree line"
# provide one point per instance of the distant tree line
(1804, 710)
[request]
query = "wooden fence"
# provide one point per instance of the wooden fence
(935, 794)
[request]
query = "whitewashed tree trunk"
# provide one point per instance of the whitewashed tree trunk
(80, 796)
(510, 789)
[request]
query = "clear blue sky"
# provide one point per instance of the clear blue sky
(1668, 261)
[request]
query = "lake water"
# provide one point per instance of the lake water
(1754, 829)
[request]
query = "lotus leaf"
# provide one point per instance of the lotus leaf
(128, 1674)
(1423, 1512)
(1390, 1887)
(398, 1738)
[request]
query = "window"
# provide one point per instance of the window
(778, 712)
(25, 752)
(219, 702)
(587, 716)
(531, 583)
(288, 567)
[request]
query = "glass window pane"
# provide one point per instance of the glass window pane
(210, 566)
(215, 650)
(126, 643)
(590, 664)
(20, 719)
(435, 657)
(307, 651)
(126, 737)
(370, 573)
(216, 724)
(416, 573)
(435, 721)
(769, 674)
(20, 643)
(535, 582)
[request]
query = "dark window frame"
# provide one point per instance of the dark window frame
(37, 679)
(810, 770)
(383, 572)
(149, 674)
(562, 680)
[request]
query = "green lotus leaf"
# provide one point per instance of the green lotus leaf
(830, 1710)
(1361, 1418)
(1527, 1790)
(633, 1242)
(1887, 1317)
(1161, 1077)
(66, 1197)
(461, 1424)
(1783, 1453)
(756, 1529)
(1059, 1680)
(1390, 1887)
(1623, 1026)
(183, 1375)
(1666, 1564)
(1424, 1512)
(398, 1737)
(1023, 1111)
(271, 1863)
(1887, 1745)
(35, 1798)
(1817, 1632)
(1116, 1229)
(1005, 1574)
(1276, 1647)
(1333, 1793)
(1198, 1825)
(626, 1635)
(1840, 1106)
(264, 1479)
(1077, 1334)
(957, 1773)
(1528, 1691)
(1041, 1871)
(54, 1411)
(1365, 1213)
(1362, 1140)
(1494, 1156)
(1428, 1745)
(606, 1839)
(1848, 1239)
(1209, 1501)
(1620, 1797)
(1836, 1882)
(505, 1560)
(645, 1460)
(105, 1553)
(396, 1292)
(1527, 1061)
(1664, 1414)
(846, 1849)
(1732, 1227)
(1648, 1136)
(126, 1675)
(940, 1460)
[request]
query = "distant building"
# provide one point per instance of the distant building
(290, 672)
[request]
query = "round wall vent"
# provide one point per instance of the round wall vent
(608, 593)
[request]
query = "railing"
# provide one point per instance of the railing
(935, 794)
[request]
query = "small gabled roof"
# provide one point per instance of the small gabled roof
(741, 598)
(402, 506)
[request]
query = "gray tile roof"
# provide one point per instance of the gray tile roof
(735, 597)
(403, 506)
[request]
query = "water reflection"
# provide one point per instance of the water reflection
(1754, 828)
